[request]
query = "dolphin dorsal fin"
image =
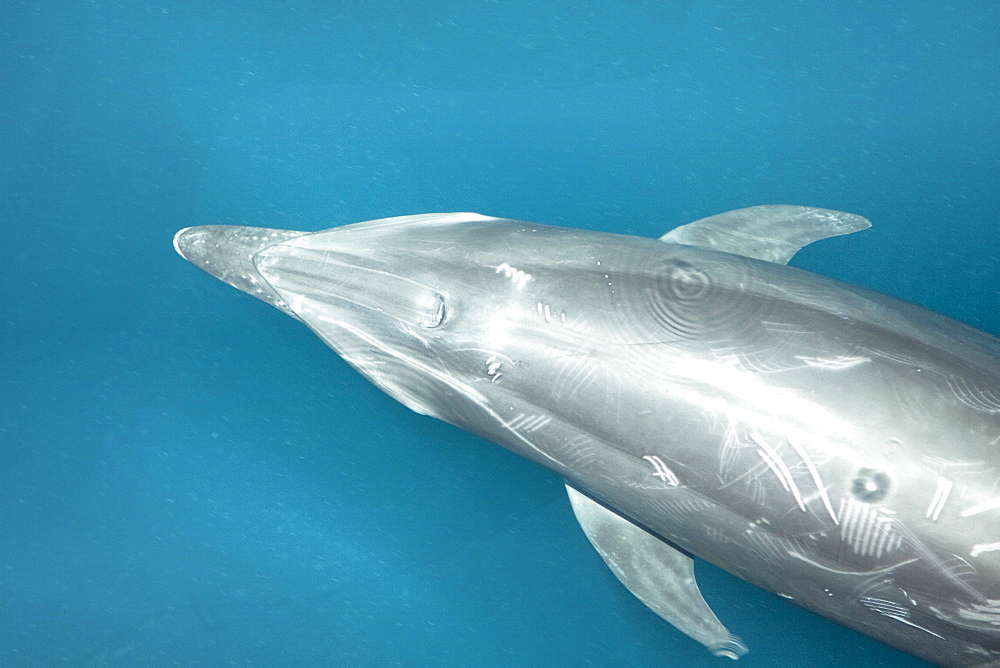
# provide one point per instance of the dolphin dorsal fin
(772, 232)
(659, 575)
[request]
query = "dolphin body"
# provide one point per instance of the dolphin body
(832, 445)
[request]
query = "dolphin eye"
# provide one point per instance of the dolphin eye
(438, 314)
(870, 485)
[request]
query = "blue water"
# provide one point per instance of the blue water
(188, 477)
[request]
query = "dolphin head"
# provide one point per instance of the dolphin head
(409, 302)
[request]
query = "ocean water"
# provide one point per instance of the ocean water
(188, 477)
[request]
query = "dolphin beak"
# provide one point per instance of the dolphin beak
(227, 252)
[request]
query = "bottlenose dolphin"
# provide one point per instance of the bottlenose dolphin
(832, 445)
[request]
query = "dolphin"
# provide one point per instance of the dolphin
(832, 445)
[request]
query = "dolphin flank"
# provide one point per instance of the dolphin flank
(835, 446)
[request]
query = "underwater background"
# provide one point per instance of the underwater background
(189, 477)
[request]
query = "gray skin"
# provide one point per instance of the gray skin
(832, 445)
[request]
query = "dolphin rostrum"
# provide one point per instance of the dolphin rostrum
(832, 445)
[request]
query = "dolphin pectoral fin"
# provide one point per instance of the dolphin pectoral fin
(773, 232)
(659, 575)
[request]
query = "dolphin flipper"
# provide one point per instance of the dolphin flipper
(773, 232)
(659, 575)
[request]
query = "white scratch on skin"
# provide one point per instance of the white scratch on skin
(893, 611)
(833, 363)
(989, 613)
(774, 467)
(984, 547)
(944, 486)
(662, 472)
(786, 327)
(869, 531)
(884, 606)
(545, 310)
(820, 487)
(528, 423)
(771, 458)
(916, 626)
(877, 571)
(970, 394)
(516, 423)
(582, 375)
(980, 508)
(977, 614)
(493, 368)
(516, 276)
